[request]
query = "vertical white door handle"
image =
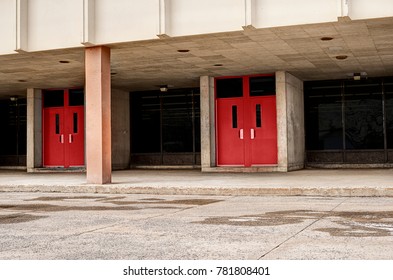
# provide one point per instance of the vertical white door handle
(241, 134)
(252, 133)
(62, 139)
(69, 138)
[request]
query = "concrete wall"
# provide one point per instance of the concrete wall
(122, 21)
(120, 129)
(208, 128)
(270, 13)
(290, 122)
(34, 129)
(362, 9)
(7, 26)
(34, 25)
(190, 17)
(54, 24)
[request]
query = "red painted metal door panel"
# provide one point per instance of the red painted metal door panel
(230, 130)
(74, 146)
(53, 136)
(263, 130)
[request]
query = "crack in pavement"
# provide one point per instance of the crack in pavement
(303, 229)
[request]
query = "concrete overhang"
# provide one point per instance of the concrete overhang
(309, 52)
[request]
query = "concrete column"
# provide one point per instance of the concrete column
(208, 129)
(34, 129)
(120, 129)
(290, 122)
(98, 115)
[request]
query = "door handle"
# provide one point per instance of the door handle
(62, 138)
(70, 138)
(241, 134)
(252, 133)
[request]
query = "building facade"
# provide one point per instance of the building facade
(223, 85)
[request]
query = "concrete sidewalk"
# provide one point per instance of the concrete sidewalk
(50, 226)
(342, 182)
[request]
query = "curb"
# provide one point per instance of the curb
(193, 190)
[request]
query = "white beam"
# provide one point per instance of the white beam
(248, 14)
(21, 25)
(88, 22)
(343, 8)
(162, 20)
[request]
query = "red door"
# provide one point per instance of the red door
(230, 129)
(63, 129)
(263, 130)
(246, 121)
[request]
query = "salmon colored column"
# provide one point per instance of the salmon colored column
(98, 115)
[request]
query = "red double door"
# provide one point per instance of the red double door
(63, 128)
(246, 121)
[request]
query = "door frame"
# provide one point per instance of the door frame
(246, 99)
(64, 107)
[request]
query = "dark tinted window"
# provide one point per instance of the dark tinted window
(53, 98)
(227, 88)
(177, 123)
(261, 86)
(323, 115)
(146, 121)
(13, 129)
(389, 111)
(363, 115)
(76, 97)
(166, 122)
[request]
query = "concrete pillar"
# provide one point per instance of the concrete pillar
(208, 129)
(98, 115)
(290, 122)
(120, 129)
(34, 129)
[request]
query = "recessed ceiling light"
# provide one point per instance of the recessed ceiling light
(218, 65)
(64, 61)
(341, 57)
(183, 51)
(326, 38)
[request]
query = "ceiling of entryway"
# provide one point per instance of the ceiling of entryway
(310, 52)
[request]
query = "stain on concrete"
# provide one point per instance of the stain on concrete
(59, 208)
(122, 205)
(349, 224)
(18, 218)
(183, 202)
(62, 198)
(117, 200)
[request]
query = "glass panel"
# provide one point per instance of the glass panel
(146, 122)
(53, 98)
(227, 88)
(197, 120)
(177, 122)
(363, 115)
(13, 131)
(57, 124)
(75, 122)
(389, 111)
(76, 97)
(8, 126)
(234, 116)
(323, 115)
(22, 126)
(262, 86)
(258, 111)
